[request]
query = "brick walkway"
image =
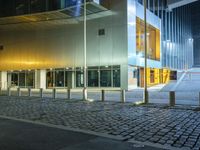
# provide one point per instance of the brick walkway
(169, 127)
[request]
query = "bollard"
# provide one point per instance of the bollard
(41, 92)
(18, 92)
(54, 93)
(146, 97)
(69, 93)
(0, 91)
(172, 98)
(123, 96)
(84, 93)
(29, 92)
(199, 98)
(103, 95)
(8, 92)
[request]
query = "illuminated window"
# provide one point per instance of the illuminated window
(153, 41)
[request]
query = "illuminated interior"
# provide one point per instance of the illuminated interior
(153, 40)
(154, 76)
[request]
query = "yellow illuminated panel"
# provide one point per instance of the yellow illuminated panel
(153, 40)
(155, 76)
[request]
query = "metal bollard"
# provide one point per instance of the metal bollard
(18, 92)
(68, 93)
(29, 92)
(84, 93)
(0, 91)
(54, 93)
(8, 92)
(123, 96)
(41, 92)
(146, 99)
(199, 98)
(103, 95)
(172, 98)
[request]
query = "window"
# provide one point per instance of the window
(93, 78)
(38, 6)
(22, 7)
(49, 79)
(116, 78)
(14, 79)
(54, 4)
(153, 40)
(79, 78)
(30, 79)
(66, 78)
(22, 79)
(105, 76)
(59, 78)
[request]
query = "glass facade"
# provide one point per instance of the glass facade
(153, 40)
(107, 76)
(22, 79)
(79, 77)
(93, 77)
(59, 78)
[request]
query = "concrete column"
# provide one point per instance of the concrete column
(3, 80)
(40, 79)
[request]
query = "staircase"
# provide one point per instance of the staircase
(188, 82)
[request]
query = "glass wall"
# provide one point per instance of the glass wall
(105, 76)
(116, 76)
(79, 77)
(93, 77)
(56, 78)
(59, 78)
(50, 78)
(22, 79)
(153, 40)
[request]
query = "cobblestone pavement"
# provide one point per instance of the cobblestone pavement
(179, 128)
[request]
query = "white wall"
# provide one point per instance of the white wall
(40, 79)
(3, 80)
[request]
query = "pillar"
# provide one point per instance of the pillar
(3, 80)
(40, 79)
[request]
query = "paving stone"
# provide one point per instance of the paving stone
(175, 127)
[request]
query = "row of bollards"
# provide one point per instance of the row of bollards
(54, 93)
(172, 96)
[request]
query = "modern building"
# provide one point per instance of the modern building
(42, 43)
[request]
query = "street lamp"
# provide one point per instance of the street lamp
(146, 98)
(85, 54)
